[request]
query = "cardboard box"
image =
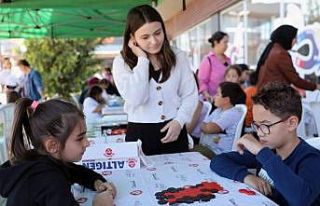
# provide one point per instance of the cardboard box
(114, 156)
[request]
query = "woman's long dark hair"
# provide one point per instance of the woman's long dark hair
(284, 36)
(53, 118)
(137, 17)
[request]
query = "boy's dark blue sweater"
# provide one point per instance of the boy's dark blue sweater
(296, 179)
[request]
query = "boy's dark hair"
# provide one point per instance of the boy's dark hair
(23, 62)
(233, 91)
(55, 118)
(280, 99)
(137, 17)
(253, 79)
(243, 67)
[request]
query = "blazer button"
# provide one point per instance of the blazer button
(162, 117)
(158, 88)
(160, 103)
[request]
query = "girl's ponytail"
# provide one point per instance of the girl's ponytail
(21, 130)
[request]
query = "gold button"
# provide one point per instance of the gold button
(158, 88)
(160, 103)
(163, 117)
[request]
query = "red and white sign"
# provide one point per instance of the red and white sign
(107, 157)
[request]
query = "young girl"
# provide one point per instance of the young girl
(46, 139)
(156, 83)
(93, 104)
(233, 74)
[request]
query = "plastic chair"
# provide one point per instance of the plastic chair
(315, 110)
(315, 142)
(208, 106)
(6, 120)
(242, 108)
(302, 129)
(75, 99)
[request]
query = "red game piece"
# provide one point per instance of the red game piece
(247, 191)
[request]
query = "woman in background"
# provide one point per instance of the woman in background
(213, 66)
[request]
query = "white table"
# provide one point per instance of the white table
(137, 187)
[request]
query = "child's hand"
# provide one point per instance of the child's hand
(258, 184)
(250, 143)
(135, 48)
(105, 186)
(207, 97)
(174, 130)
(103, 199)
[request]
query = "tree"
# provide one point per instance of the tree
(64, 64)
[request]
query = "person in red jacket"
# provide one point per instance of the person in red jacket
(275, 64)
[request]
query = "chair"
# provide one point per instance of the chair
(302, 127)
(315, 142)
(208, 106)
(243, 109)
(75, 98)
(315, 110)
(6, 120)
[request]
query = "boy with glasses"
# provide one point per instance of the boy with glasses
(287, 166)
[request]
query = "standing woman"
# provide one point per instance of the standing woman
(156, 83)
(275, 63)
(213, 66)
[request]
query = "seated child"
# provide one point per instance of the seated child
(93, 104)
(288, 167)
(233, 74)
(46, 139)
(245, 75)
(220, 127)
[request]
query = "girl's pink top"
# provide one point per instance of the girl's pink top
(210, 78)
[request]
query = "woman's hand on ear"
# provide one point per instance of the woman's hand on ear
(136, 49)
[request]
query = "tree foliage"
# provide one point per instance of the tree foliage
(64, 64)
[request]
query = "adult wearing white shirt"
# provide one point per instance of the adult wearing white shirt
(5, 71)
(156, 83)
(93, 104)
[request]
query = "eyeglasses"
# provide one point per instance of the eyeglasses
(265, 128)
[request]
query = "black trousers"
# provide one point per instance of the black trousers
(150, 135)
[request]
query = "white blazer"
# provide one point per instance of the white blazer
(147, 101)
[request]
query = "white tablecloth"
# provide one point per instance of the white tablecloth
(137, 187)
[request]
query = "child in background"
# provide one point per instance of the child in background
(46, 139)
(232, 74)
(93, 104)
(288, 166)
(220, 126)
(250, 92)
(245, 75)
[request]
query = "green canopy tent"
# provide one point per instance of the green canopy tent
(64, 18)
